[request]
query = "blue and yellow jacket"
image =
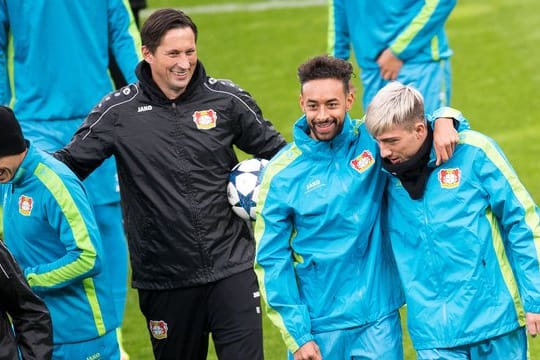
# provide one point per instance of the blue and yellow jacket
(54, 59)
(321, 261)
(468, 251)
(412, 29)
(51, 66)
(49, 227)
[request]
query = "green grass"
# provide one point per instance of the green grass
(495, 84)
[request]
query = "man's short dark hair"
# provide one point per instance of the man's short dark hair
(162, 21)
(326, 67)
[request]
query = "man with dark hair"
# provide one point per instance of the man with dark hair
(172, 135)
(324, 269)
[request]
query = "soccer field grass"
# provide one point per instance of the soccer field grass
(496, 83)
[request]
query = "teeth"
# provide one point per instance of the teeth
(323, 125)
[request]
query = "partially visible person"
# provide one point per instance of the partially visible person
(25, 322)
(119, 80)
(465, 235)
(49, 227)
(402, 40)
(136, 7)
(54, 57)
(324, 268)
(172, 135)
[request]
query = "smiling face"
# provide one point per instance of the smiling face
(325, 103)
(174, 61)
(9, 165)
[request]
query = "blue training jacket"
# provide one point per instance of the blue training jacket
(321, 261)
(412, 29)
(468, 251)
(50, 228)
(54, 58)
(51, 66)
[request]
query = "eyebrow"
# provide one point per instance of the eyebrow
(387, 139)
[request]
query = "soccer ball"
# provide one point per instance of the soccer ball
(243, 187)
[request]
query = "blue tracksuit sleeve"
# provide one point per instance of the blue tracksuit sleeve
(125, 38)
(339, 44)
(460, 122)
(275, 264)
(422, 29)
(518, 219)
(68, 211)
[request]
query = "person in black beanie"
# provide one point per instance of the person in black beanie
(25, 322)
(50, 229)
(12, 144)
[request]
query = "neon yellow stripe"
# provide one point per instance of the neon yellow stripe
(531, 217)
(417, 24)
(331, 36)
(505, 266)
(11, 70)
(133, 30)
(444, 84)
(435, 48)
(87, 258)
(278, 164)
(91, 295)
(527, 203)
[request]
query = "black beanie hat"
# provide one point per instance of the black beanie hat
(11, 137)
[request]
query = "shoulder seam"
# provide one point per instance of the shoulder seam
(90, 128)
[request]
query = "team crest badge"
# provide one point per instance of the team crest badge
(26, 203)
(449, 178)
(205, 119)
(363, 161)
(159, 329)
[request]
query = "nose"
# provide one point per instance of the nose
(385, 151)
(321, 113)
(183, 61)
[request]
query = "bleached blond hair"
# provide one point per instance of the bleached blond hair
(395, 105)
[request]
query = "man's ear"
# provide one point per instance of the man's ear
(301, 103)
(147, 54)
(349, 101)
(420, 129)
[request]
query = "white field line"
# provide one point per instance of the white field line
(249, 7)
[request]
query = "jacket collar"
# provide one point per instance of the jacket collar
(323, 149)
(27, 167)
(149, 86)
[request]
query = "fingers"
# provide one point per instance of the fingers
(308, 351)
(533, 324)
(389, 75)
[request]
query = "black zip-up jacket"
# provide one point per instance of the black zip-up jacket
(30, 317)
(174, 158)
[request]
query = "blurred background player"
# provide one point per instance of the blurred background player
(116, 73)
(53, 69)
(400, 40)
